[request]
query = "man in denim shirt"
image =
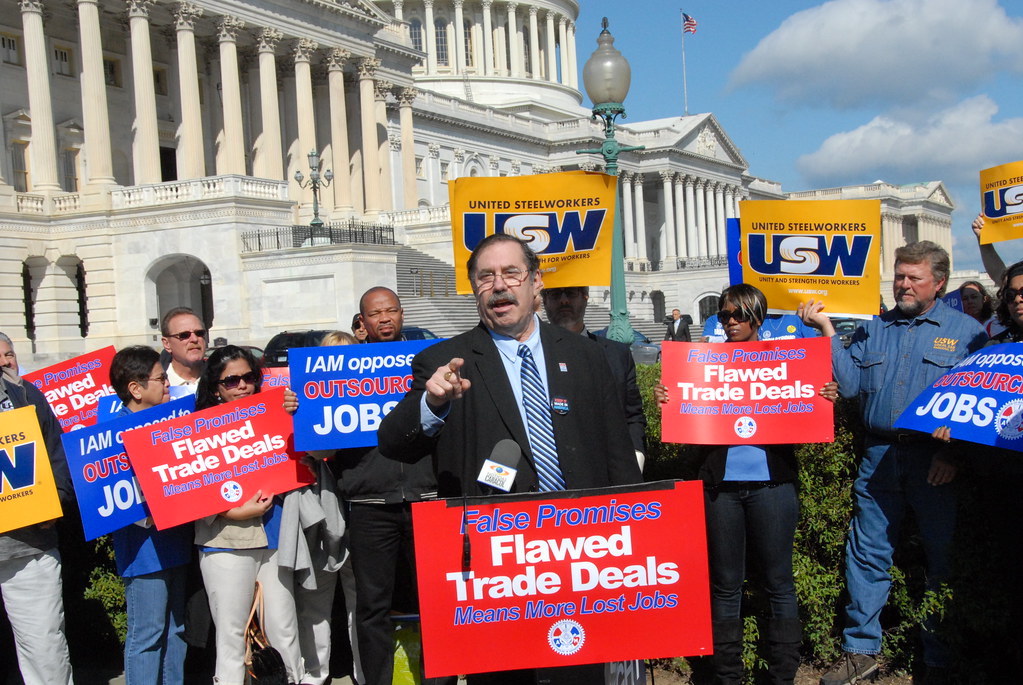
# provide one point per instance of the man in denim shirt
(891, 360)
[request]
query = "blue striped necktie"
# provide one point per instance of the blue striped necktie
(541, 430)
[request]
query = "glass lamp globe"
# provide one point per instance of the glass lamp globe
(606, 74)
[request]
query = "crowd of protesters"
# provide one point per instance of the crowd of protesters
(354, 523)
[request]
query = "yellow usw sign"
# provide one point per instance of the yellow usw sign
(566, 218)
(28, 493)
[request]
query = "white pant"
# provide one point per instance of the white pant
(230, 579)
(32, 593)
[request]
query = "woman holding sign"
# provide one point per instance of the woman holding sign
(239, 546)
(751, 501)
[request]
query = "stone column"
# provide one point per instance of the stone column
(680, 216)
(459, 65)
(430, 37)
(640, 208)
(552, 53)
(488, 39)
(191, 157)
(719, 210)
(573, 68)
(432, 171)
(514, 44)
(730, 202)
(534, 44)
(367, 67)
(43, 147)
(500, 52)
(563, 41)
(233, 159)
(95, 115)
(712, 221)
(701, 217)
(408, 147)
(891, 238)
(339, 150)
(380, 92)
(306, 119)
(269, 158)
(399, 12)
(668, 208)
(628, 226)
(697, 248)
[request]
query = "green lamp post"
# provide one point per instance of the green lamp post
(606, 77)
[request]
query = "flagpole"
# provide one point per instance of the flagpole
(685, 85)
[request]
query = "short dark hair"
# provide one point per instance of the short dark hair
(375, 289)
(925, 250)
(532, 261)
(206, 392)
(133, 363)
(177, 311)
(1002, 312)
(748, 299)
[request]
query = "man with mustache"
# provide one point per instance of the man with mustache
(891, 360)
(566, 307)
(513, 377)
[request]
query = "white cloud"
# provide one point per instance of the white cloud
(952, 145)
(852, 53)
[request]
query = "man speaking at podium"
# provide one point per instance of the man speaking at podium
(513, 377)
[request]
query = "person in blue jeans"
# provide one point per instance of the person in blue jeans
(153, 563)
(892, 358)
(751, 502)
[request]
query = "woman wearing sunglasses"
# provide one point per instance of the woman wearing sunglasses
(239, 546)
(751, 502)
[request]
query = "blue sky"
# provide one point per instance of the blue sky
(819, 94)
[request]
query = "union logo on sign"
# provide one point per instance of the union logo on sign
(745, 427)
(566, 637)
(1009, 422)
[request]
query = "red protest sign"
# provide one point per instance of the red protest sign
(758, 393)
(73, 388)
(210, 461)
(560, 579)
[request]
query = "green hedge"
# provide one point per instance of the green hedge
(981, 609)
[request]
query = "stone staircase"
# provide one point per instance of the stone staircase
(426, 286)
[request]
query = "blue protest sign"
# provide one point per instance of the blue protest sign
(108, 407)
(108, 495)
(954, 300)
(733, 244)
(345, 390)
(980, 399)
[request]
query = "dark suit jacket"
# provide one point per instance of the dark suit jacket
(594, 448)
(682, 335)
(623, 371)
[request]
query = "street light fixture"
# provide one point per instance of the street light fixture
(315, 182)
(606, 77)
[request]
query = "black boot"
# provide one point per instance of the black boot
(784, 637)
(727, 652)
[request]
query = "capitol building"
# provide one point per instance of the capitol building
(150, 151)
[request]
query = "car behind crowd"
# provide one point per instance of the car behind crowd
(276, 351)
(643, 350)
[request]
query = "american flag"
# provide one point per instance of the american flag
(688, 24)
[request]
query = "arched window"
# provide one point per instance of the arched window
(441, 33)
(470, 58)
(708, 307)
(416, 32)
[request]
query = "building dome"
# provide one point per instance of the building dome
(517, 56)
